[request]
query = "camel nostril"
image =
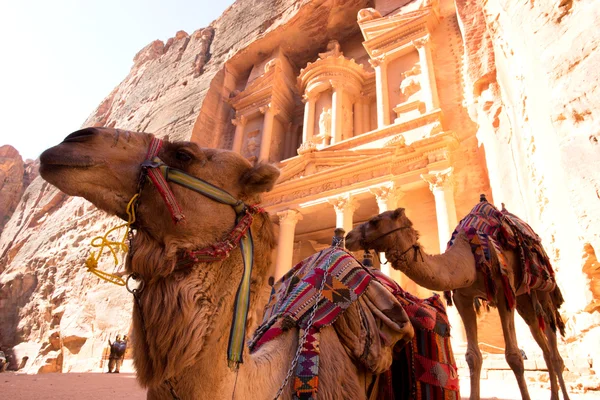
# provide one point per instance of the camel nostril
(80, 135)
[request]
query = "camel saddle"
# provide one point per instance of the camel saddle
(368, 311)
(487, 227)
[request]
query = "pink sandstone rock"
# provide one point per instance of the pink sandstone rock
(518, 84)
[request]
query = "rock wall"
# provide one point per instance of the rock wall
(529, 83)
(53, 311)
(532, 86)
(15, 176)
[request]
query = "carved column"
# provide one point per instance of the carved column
(344, 210)
(387, 199)
(366, 106)
(269, 111)
(285, 246)
(440, 183)
(381, 86)
(337, 114)
(310, 100)
(428, 86)
(240, 123)
(358, 117)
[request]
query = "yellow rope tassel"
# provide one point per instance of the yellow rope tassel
(102, 242)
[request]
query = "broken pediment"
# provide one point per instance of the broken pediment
(382, 34)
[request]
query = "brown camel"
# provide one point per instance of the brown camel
(392, 232)
(182, 322)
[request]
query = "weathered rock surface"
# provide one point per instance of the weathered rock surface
(532, 85)
(177, 90)
(15, 176)
(529, 77)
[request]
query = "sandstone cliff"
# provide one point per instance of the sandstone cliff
(51, 309)
(532, 86)
(15, 176)
(530, 82)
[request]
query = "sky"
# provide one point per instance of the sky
(60, 58)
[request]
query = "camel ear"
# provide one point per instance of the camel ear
(260, 178)
(398, 213)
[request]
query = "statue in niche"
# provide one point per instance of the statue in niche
(333, 50)
(411, 83)
(253, 144)
(324, 126)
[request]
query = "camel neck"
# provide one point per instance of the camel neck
(205, 325)
(453, 269)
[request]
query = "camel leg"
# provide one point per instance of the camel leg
(512, 352)
(557, 361)
(464, 305)
(527, 312)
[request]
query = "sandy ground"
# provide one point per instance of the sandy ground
(89, 386)
(96, 386)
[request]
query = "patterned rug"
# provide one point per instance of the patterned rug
(425, 369)
(486, 227)
(422, 369)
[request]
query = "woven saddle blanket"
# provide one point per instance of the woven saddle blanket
(356, 296)
(486, 227)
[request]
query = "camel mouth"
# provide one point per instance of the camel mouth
(56, 158)
(352, 245)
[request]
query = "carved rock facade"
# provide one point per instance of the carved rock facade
(373, 104)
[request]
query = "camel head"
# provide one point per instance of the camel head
(103, 165)
(390, 230)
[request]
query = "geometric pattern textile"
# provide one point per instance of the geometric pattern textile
(427, 362)
(488, 228)
(293, 298)
(425, 369)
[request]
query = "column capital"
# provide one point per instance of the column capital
(310, 96)
(239, 120)
(269, 107)
(387, 193)
(377, 61)
(366, 97)
(345, 203)
(337, 85)
(439, 180)
(290, 216)
(422, 41)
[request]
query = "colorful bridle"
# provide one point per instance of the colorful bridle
(159, 174)
(367, 245)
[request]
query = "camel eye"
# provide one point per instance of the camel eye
(374, 223)
(182, 155)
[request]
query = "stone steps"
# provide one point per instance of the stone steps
(495, 367)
